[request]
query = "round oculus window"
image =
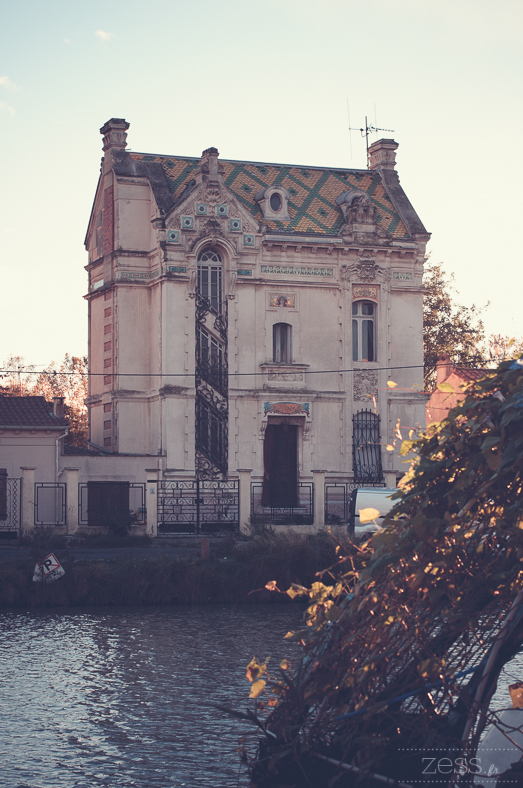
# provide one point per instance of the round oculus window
(275, 202)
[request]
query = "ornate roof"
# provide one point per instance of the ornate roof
(313, 192)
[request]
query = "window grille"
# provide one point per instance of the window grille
(366, 448)
(212, 408)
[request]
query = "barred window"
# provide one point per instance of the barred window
(366, 449)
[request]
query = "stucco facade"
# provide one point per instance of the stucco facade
(241, 314)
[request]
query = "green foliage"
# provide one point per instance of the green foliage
(448, 327)
(422, 600)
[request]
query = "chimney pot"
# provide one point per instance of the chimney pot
(382, 155)
(115, 134)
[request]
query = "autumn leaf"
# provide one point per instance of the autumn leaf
(368, 515)
(257, 688)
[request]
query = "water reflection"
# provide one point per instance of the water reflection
(117, 698)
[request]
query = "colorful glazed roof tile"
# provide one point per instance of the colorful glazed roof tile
(313, 191)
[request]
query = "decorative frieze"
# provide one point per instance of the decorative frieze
(402, 276)
(295, 271)
(359, 292)
(286, 408)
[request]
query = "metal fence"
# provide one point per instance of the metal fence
(300, 514)
(100, 503)
(50, 503)
(10, 508)
(337, 501)
(197, 506)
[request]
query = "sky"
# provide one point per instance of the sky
(273, 81)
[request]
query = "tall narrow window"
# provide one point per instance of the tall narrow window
(212, 410)
(210, 279)
(281, 343)
(363, 331)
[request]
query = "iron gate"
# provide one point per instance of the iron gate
(197, 506)
(10, 506)
(50, 503)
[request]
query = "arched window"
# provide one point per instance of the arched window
(281, 343)
(363, 331)
(366, 449)
(210, 279)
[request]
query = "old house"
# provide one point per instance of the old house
(457, 379)
(244, 319)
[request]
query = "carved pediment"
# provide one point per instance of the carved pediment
(213, 208)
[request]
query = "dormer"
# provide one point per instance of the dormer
(356, 207)
(273, 203)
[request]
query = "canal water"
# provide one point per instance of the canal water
(120, 697)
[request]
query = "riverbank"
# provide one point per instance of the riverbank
(236, 571)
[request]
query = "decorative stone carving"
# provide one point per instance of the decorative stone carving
(365, 385)
(285, 376)
(365, 270)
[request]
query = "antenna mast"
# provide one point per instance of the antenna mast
(365, 133)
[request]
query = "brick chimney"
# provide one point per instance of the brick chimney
(444, 368)
(115, 135)
(382, 155)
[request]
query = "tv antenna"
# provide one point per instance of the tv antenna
(365, 133)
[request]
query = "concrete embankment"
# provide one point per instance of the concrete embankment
(234, 572)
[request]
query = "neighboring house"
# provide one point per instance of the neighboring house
(46, 481)
(441, 402)
(244, 319)
(31, 433)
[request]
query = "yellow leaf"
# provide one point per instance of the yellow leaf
(257, 688)
(391, 384)
(367, 515)
(285, 664)
(446, 387)
(389, 447)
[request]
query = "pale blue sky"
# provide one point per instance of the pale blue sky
(264, 81)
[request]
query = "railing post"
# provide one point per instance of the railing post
(151, 502)
(27, 520)
(71, 476)
(244, 492)
(319, 499)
